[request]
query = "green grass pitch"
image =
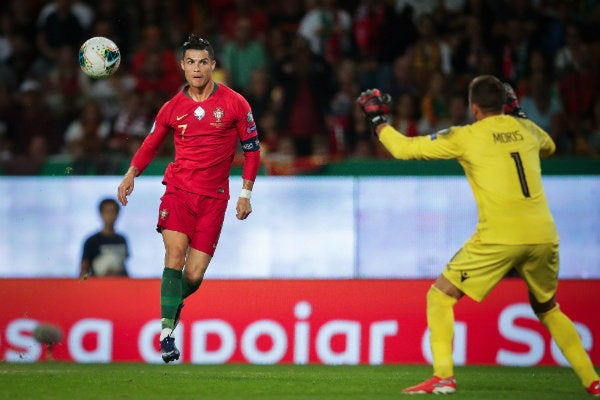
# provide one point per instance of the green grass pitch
(58, 380)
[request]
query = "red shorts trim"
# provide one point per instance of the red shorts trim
(200, 217)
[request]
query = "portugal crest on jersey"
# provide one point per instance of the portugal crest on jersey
(218, 114)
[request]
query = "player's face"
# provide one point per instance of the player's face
(197, 67)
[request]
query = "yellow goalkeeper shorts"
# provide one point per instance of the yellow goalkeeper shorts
(477, 268)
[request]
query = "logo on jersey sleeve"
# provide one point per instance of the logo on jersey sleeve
(153, 127)
(251, 124)
(199, 113)
(164, 213)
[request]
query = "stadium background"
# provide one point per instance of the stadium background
(290, 320)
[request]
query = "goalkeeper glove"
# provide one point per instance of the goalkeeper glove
(375, 106)
(512, 106)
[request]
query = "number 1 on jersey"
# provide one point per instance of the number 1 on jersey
(521, 172)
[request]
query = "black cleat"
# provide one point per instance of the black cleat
(169, 350)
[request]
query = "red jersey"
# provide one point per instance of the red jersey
(205, 135)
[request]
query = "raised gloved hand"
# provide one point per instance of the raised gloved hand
(375, 106)
(512, 106)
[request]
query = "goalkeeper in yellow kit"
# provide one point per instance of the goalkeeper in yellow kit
(500, 154)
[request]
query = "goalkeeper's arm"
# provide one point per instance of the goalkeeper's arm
(375, 106)
(512, 107)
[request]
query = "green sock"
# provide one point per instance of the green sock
(187, 288)
(170, 296)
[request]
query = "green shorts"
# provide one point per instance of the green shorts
(477, 268)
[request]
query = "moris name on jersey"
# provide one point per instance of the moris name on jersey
(507, 137)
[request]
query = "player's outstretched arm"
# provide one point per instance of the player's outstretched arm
(375, 106)
(126, 186)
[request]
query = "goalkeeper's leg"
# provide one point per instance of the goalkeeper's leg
(566, 337)
(440, 320)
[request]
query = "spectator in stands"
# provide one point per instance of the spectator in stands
(20, 17)
(155, 66)
(169, 17)
(470, 46)
(458, 110)
(113, 19)
(27, 153)
(305, 81)
(341, 107)
(244, 9)
(278, 46)
(59, 27)
(32, 117)
(542, 105)
(592, 128)
(514, 50)
(403, 79)
(29, 163)
(20, 60)
(328, 30)
(430, 53)
(105, 252)
(361, 141)
(259, 94)
(578, 88)
(435, 102)
(7, 111)
(563, 59)
(268, 132)
(85, 141)
(242, 55)
(380, 35)
(130, 126)
(406, 116)
(66, 85)
(286, 16)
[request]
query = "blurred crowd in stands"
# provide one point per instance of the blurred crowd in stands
(300, 63)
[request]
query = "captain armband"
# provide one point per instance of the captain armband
(251, 144)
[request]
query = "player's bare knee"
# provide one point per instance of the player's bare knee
(174, 257)
(194, 275)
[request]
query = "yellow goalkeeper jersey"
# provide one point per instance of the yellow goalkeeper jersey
(501, 159)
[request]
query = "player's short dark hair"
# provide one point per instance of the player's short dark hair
(487, 92)
(195, 42)
(106, 201)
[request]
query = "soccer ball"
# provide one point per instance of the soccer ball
(99, 57)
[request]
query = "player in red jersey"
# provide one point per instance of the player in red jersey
(206, 120)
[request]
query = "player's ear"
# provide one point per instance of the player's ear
(475, 111)
(182, 64)
(213, 65)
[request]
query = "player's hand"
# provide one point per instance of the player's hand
(512, 106)
(243, 208)
(375, 106)
(126, 186)
(125, 189)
